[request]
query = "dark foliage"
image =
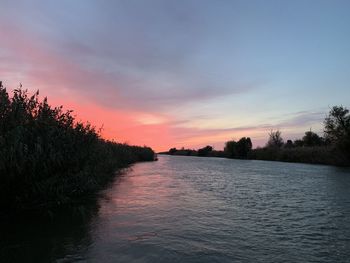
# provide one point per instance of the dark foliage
(333, 149)
(312, 139)
(183, 151)
(275, 140)
(316, 155)
(172, 150)
(205, 151)
(238, 149)
(49, 159)
(337, 129)
(289, 144)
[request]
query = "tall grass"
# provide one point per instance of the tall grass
(47, 158)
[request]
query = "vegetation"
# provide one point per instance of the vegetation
(240, 149)
(337, 130)
(47, 158)
(275, 140)
(207, 151)
(333, 148)
(315, 155)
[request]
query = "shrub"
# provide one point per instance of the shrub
(47, 158)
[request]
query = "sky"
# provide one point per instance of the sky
(185, 73)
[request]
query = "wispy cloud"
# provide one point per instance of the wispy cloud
(151, 66)
(115, 86)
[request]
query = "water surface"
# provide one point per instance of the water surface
(190, 209)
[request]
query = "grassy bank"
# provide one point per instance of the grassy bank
(48, 159)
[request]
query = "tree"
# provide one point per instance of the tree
(238, 149)
(275, 139)
(230, 148)
(243, 147)
(337, 124)
(298, 143)
(289, 144)
(172, 150)
(312, 139)
(205, 151)
(337, 129)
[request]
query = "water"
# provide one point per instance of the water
(190, 209)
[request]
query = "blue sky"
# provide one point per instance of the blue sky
(188, 72)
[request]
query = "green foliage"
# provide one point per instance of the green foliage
(48, 159)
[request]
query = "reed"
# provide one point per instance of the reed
(47, 158)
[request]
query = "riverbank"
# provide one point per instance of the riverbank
(333, 148)
(48, 159)
(326, 155)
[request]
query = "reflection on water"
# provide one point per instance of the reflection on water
(37, 238)
(189, 209)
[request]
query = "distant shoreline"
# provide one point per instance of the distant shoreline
(267, 160)
(308, 155)
(333, 148)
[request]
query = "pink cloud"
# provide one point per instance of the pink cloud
(29, 59)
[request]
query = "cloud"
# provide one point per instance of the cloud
(304, 118)
(292, 125)
(113, 59)
(139, 68)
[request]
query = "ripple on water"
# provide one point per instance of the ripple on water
(189, 209)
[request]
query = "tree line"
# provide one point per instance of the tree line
(332, 148)
(48, 158)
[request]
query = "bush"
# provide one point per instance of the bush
(315, 155)
(239, 149)
(48, 159)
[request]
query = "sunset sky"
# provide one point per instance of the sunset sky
(182, 73)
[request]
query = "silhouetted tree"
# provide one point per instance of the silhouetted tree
(230, 148)
(337, 124)
(205, 151)
(243, 147)
(337, 128)
(172, 150)
(289, 144)
(298, 143)
(275, 139)
(312, 139)
(238, 149)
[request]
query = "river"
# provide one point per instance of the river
(192, 209)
